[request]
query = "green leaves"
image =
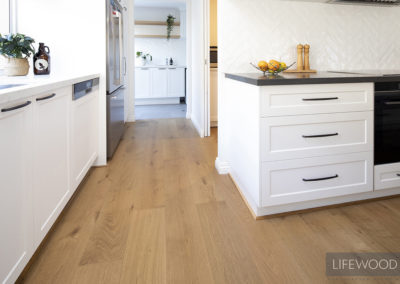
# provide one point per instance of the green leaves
(16, 46)
(170, 25)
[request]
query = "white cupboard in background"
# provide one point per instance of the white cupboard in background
(16, 219)
(142, 83)
(159, 85)
(176, 82)
(51, 187)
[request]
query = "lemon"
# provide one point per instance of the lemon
(263, 65)
(283, 65)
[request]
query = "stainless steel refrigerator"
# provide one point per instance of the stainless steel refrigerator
(116, 69)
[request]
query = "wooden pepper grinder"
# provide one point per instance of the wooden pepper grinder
(307, 57)
(300, 65)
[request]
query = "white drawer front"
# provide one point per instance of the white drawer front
(387, 176)
(285, 182)
(294, 137)
(327, 98)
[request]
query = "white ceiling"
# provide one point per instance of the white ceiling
(161, 3)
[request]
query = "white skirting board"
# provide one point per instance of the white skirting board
(157, 101)
(222, 167)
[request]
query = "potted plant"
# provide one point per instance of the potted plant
(16, 48)
(170, 25)
(144, 57)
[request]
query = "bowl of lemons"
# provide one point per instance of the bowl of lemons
(273, 67)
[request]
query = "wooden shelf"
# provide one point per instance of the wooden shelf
(156, 36)
(154, 23)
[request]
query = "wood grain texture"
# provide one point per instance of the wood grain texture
(160, 213)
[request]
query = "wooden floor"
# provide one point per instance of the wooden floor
(160, 213)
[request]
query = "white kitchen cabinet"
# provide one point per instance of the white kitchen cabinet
(143, 83)
(159, 83)
(51, 184)
(84, 135)
(285, 182)
(325, 98)
(16, 219)
(292, 137)
(294, 147)
(176, 82)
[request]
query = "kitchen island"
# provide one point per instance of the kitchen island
(294, 142)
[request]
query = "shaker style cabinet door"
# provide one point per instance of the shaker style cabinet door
(84, 136)
(142, 83)
(16, 220)
(51, 186)
(159, 83)
(176, 82)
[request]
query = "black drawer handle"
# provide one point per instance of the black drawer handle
(398, 175)
(320, 135)
(321, 99)
(16, 107)
(46, 98)
(318, 179)
(392, 103)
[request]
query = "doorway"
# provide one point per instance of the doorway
(160, 60)
(196, 33)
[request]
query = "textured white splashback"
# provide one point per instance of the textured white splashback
(341, 36)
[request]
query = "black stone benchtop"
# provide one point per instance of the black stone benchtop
(323, 77)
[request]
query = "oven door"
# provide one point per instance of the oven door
(387, 127)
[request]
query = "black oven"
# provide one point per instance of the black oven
(387, 123)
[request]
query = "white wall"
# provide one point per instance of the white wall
(161, 48)
(198, 66)
(4, 17)
(75, 32)
(341, 37)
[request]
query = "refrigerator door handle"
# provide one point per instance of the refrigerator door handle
(117, 54)
(121, 50)
(124, 65)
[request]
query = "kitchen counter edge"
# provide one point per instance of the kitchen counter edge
(319, 78)
(39, 85)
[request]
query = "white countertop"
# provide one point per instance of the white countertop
(34, 85)
(161, 66)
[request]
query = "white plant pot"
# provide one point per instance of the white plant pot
(16, 67)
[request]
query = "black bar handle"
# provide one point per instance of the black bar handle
(321, 99)
(318, 179)
(320, 135)
(392, 103)
(16, 107)
(398, 175)
(46, 98)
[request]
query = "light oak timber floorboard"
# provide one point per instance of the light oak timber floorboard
(145, 254)
(160, 213)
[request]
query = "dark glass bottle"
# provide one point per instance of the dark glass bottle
(41, 60)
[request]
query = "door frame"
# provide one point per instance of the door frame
(205, 124)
